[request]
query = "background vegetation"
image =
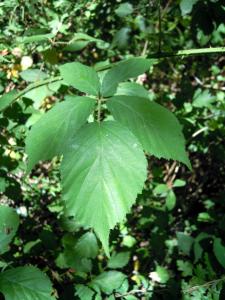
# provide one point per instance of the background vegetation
(173, 244)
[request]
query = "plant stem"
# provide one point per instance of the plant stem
(99, 110)
(160, 26)
(190, 52)
(36, 85)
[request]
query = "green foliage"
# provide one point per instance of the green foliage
(85, 113)
(8, 226)
(25, 283)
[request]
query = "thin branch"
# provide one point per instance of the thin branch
(190, 52)
(160, 26)
(34, 86)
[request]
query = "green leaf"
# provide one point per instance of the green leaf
(186, 6)
(121, 38)
(119, 260)
(49, 136)
(203, 98)
(25, 283)
(35, 38)
(32, 75)
(122, 71)
(7, 99)
(132, 89)
(185, 267)
(219, 251)
(84, 292)
(9, 222)
(198, 250)
(105, 166)
(157, 128)
(124, 9)
(109, 281)
(81, 77)
(87, 246)
(163, 274)
(184, 242)
(170, 200)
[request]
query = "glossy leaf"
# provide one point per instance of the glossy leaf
(157, 128)
(81, 77)
(49, 136)
(122, 71)
(132, 89)
(25, 283)
(102, 174)
(9, 222)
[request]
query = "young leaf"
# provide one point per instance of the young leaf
(157, 128)
(109, 281)
(9, 222)
(119, 260)
(81, 77)
(102, 173)
(84, 292)
(25, 283)
(122, 71)
(49, 136)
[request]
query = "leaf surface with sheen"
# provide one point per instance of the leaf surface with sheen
(156, 127)
(122, 71)
(49, 136)
(102, 174)
(81, 77)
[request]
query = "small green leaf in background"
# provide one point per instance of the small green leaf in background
(84, 292)
(122, 71)
(7, 99)
(118, 260)
(121, 38)
(203, 98)
(186, 6)
(38, 95)
(109, 281)
(9, 222)
(25, 283)
(106, 171)
(198, 250)
(157, 128)
(50, 135)
(219, 251)
(161, 189)
(81, 77)
(184, 242)
(170, 200)
(124, 9)
(32, 75)
(87, 246)
(179, 183)
(160, 275)
(185, 267)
